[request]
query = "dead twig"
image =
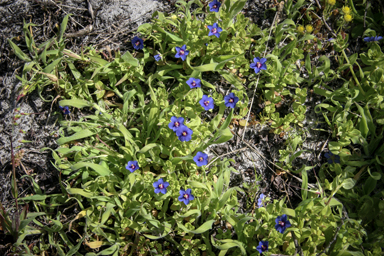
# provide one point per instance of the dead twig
(80, 33)
(225, 155)
(61, 9)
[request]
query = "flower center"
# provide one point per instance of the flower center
(230, 100)
(258, 65)
(137, 43)
(193, 83)
(184, 133)
(181, 52)
(282, 223)
(263, 247)
(206, 103)
(133, 166)
(214, 30)
(201, 159)
(186, 196)
(214, 6)
(161, 186)
(177, 124)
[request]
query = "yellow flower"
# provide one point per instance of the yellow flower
(346, 10)
(347, 17)
(309, 28)
(300, 29)
(331, 2)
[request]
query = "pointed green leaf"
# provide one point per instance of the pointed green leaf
(19, 53)
(203, 228)
(101, 170)
(79, 135)
(63, 26)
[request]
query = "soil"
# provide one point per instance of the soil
(113, 25)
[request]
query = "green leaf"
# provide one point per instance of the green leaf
(289, 212)
(19, 53)
(203, 68)
(374, 175)
(100, 61)
(144, 28)
(363, 124)
(101, 170)
(377, 74)
(191, 212)
(231, 79)
(30, 217)
(63, 26)
(227, 244)
(369, 185)
(218, 186)
(348, 183)
(224, 198)
(146, 148)
(127, 136)
(203, 228)
(172, 36)
(304, 185)
(77, 136)
(50, 67)
(77, 103)
(278, 63)
(35, 197)
(353, 58)
(79, 191)
(128, 58)
(76, 74)
(107, 213)
(196, 184)
(224, 136)
(236, 8)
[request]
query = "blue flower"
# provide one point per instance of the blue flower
(186, 196)
(259, 64)
(160, 186)
(214, 6)
(184, 133)
(331, 158)
(137, 43)
(181, 52)
(200, 159)
(65, 110)
(260, 202)
(230, 100)
(262, 247)
(132, 166)
(157, 57)
(175, 123)
(214, 30)
(282, 223)
(194, 82)
(206, 102)
(372, 38)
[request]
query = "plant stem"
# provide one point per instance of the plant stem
(353, 73)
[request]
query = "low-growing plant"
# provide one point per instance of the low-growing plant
(134, 162)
